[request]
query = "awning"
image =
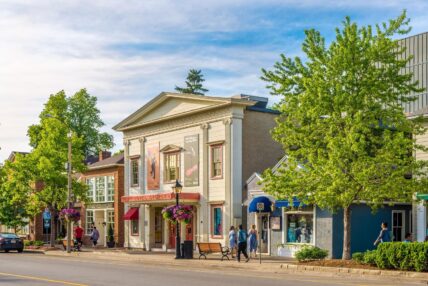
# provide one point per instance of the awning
(285, 203)
(258, 202)
(422, 196)
(131, 214)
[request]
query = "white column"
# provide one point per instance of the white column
(236, 170)
(127, 226)
(203, 210)
(421, 221)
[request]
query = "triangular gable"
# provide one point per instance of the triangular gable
(171, 105)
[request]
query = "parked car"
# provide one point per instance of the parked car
(10, 241)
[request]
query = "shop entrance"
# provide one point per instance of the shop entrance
(158, 228)
(262, 227)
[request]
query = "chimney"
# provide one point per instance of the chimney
(104, 155)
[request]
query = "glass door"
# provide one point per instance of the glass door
(398, 225)
(158, 227)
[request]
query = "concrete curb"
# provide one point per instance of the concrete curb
(217, 264)
(390, 273)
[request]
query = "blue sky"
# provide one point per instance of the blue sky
(126, 52)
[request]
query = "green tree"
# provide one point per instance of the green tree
(342, 120)
(193, 83)
(63, 119)
(15, 193)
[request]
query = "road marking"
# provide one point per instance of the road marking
(41, 279)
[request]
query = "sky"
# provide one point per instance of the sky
(127, 52)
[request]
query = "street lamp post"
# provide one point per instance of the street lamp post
(177, 190)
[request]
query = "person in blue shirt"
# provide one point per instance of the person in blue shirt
(232, 240)
(384, 235)
(408, 237)
(242, 244)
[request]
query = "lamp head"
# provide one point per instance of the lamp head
(177, 187)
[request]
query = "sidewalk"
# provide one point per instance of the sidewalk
(213, 262)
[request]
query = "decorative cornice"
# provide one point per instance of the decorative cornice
(227, 121)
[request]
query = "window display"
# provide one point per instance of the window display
(299, 227)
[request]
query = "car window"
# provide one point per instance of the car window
(9, 235)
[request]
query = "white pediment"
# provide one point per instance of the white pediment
(173, 107)
(167, 106)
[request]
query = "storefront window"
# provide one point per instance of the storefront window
(216, 161)
(110, 188)
(89, 222)
(299, 227)
(134, 227)
(217, 218)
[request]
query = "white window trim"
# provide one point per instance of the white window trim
(285, 223)
(94, 188)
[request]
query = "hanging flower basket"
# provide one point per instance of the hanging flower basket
(69, 215)
(178, 213)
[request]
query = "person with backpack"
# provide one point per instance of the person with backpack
(242, 244)
(95, 236)
(384, 235)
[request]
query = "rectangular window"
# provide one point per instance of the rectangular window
(135, 181)
(299, 227)
(217, 221)
(398, 225)
(172, 167)
(134, 227)
(100, 189)
(110, 220)
(91, 188)
(110, 188)
(89, 222)
(216, 161)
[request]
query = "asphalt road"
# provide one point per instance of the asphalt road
(37, 269)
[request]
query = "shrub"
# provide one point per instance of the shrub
(404, 256)
(38, 243)
(28, 243)
(311, 253)
(358, 257)
(370, 257)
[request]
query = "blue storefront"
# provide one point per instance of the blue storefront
(287, 227)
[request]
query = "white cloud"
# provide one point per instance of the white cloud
(47, 46)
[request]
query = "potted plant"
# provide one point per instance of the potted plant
(110, 237)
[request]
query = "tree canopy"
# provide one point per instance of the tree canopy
(342, 124)
(194, 82)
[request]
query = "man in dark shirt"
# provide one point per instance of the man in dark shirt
(384, 235)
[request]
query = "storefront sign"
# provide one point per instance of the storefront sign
(161, 197)
(191, 161)
(275, 222)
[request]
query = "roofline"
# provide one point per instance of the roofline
(415, 35)
(255, 174)
(90, 168)
(163, 95)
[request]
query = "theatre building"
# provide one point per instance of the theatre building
(210, 145)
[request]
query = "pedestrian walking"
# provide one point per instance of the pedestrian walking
(78, 234)
(384, 235)
(252, 240)
(242, 244)
(95, 236)
(232, 240)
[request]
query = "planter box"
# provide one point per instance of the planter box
(289, 250)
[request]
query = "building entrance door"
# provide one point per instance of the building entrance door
(172, 234)
(398, 225)
(158, 227)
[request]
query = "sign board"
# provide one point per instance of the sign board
(46, 214)
(275, 222)
(260, 206)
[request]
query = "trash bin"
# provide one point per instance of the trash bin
(188, 249)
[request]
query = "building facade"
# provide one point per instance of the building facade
(209, 144)
(416, 46)
(105, 188)
(287, 227)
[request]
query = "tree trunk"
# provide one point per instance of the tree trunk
(52, 238)
(346, 254)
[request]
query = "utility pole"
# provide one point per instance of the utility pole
(69, 192)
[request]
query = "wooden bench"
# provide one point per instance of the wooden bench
(212, 247)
